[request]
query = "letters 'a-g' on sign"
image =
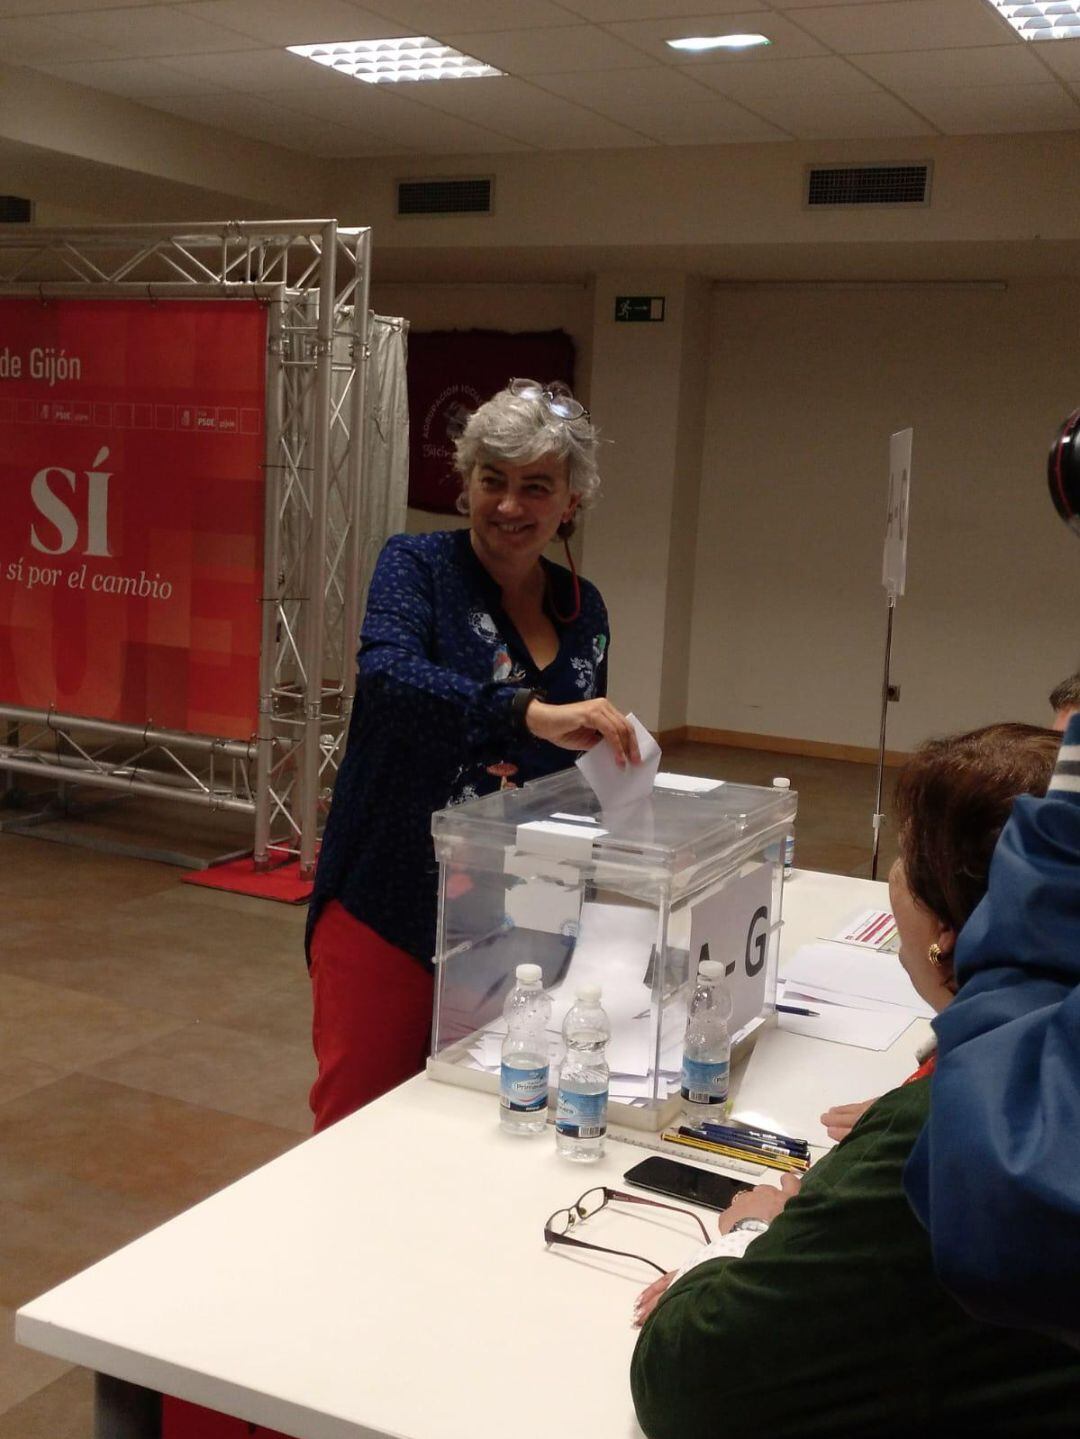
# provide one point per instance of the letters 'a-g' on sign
(735, 923)
(637, 309)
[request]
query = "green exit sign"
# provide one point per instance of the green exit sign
(637, 309)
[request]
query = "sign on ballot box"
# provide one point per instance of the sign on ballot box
(131, 535)
(733, 925)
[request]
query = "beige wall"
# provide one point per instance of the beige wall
(492, 307)
(805, 386)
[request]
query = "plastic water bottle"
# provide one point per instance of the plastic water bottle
(787, 847)
(523, 1079)
(581, 1108)
(707, 1048)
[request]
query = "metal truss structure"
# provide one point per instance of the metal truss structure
(314, 278)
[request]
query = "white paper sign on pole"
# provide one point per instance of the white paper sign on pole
(733, 926)
(894, 562)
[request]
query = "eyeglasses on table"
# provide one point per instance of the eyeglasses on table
(557, 1227)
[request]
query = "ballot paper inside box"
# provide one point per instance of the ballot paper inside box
(631, 899)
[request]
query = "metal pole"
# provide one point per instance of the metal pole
(165, 738)
(357, 457)
(271, 585)
(885, 683)
(315, 603)
(125, 1411)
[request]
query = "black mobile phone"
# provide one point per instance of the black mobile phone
(706, 1187)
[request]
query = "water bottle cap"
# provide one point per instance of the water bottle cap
(589, 994)
(529, 974)
(711, 969)
(781, 783)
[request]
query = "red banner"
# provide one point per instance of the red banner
(450, 373)
(131, 535)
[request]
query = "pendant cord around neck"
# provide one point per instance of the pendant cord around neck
(575, 613)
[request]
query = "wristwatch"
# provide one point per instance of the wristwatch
(750, 1226)
(521, 702)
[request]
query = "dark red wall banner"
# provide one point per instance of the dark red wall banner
(131, 532)
(450, 373)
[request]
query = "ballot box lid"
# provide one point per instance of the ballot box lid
(681, 824)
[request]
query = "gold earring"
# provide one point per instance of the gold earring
(937, 959)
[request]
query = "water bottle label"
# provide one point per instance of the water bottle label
(581, 1116)
(525, 1091)
(704, 1083)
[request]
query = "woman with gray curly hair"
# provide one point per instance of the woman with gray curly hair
(482, 664)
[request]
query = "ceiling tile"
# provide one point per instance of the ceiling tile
(548, 51)
(30, 41)
(521, 110)
(907, 25)
(986, 109)
(828, 75)
(788, 41)
(133, 78)
(261, 119)
(284, 22)
(946, 69)
(386, 113)
(261, 70)
(150, 31)
(661, 103)
(443, 17)
(605, 10)
(1062, 56)
(872, 116)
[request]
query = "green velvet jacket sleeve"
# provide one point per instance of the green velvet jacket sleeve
(833, 1322)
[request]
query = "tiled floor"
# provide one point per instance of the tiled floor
(154, 1040)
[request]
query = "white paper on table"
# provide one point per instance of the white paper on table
(615, 787)
(686, 783)
(843, 970)
(839, 1024)
(808, 995)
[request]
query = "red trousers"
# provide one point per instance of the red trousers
(372, 1015)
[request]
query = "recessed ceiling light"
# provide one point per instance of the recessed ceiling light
(388, 62)
(1057, 20)
(719, 42)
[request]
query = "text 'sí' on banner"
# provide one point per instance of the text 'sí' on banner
(131, 534)
(450, 373)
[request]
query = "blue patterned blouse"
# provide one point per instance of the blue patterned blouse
(439, 665)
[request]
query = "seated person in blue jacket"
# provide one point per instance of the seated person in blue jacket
(995, 1174)
(817, 1312)
(481, 662)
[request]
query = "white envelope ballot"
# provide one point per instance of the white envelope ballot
(615, 787)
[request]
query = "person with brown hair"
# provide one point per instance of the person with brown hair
(996, 1161)
(832, 1321)
(952, 800)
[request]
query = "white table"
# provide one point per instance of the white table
(389, 1276)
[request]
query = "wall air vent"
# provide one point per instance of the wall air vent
(444, 197)
(14, 210)
(831, 185)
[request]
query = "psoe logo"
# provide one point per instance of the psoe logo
(52, 489)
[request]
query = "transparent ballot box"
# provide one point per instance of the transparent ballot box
(631, 899)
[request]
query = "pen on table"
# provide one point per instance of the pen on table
(794, 1009)
(754, 1148)
(735, 1135)
(770, 1160)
